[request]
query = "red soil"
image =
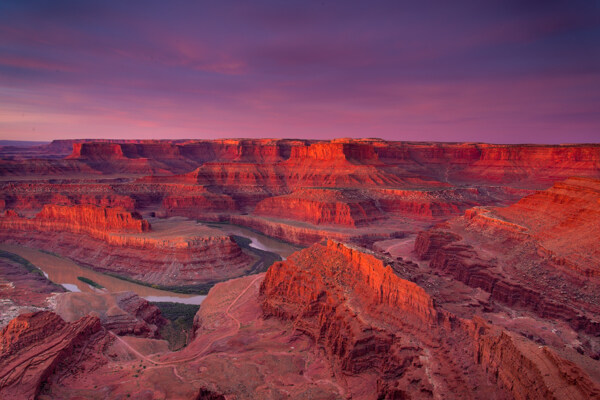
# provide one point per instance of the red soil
(496, 300)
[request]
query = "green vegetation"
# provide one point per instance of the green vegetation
(265, 258)
(50, 253)
(201, 289)
(181, 321)
(20, 260)
(27, 265)
(90, 282)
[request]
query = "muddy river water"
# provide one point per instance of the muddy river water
(66, 272)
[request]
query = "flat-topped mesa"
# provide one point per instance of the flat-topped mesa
(31, 196)
(323, 207)
(97, 151)
(335, 151)
(241, 150)
(89, 218)
(195, 152)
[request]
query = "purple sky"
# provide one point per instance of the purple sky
(501, 71)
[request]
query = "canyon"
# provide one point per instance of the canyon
(399, 270)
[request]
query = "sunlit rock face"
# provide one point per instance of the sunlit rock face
(122, 242)
(369, 320)
(332, 320)
(540, 254)
(34, 346)
(430, 270)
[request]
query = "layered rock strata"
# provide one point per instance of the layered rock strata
(119, 242)
(367, 319)
(513, 254)
(33, 346)
(123, 313)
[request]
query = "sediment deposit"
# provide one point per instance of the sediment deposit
(431, 270)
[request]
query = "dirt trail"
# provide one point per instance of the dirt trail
(199, 355)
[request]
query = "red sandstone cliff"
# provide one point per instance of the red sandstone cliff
(540, 254)
(123, 313)
(120, 242)
(323, 206)
(34, 345)
(367, 319)
(84, 218)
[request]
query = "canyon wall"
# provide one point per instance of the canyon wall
(323, 207)
(366, 318)
(540, 253)
(198, 256)
(33, 346)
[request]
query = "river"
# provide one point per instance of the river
(65, 272)
(258, 240)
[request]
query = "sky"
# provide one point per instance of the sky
(499, 71)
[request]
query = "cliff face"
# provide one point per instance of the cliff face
(333, 265)
(306, 234)
(526, 369)
(334, 152)
(123, 313)
(564, 220)
(346, 300)
(369, 320)
(322, 206)
(198, 206)
(33, 346)
(540, 254)
(97, 222)
(82, 218)
(33, 196)
(521, 165)
(120, 242)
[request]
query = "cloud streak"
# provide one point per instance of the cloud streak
(497, 71)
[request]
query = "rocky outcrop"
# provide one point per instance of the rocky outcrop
(198, 255)
(22, 288)
(33, 196)
(323, 207)
(124, 313)
(564, 220)
(364, 316)
(90, 219)
(306, 234)
(527, 370)
(429, 242)
(514, 254)
(348, 301)
(33, 346)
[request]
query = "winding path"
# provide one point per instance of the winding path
(200, 355)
